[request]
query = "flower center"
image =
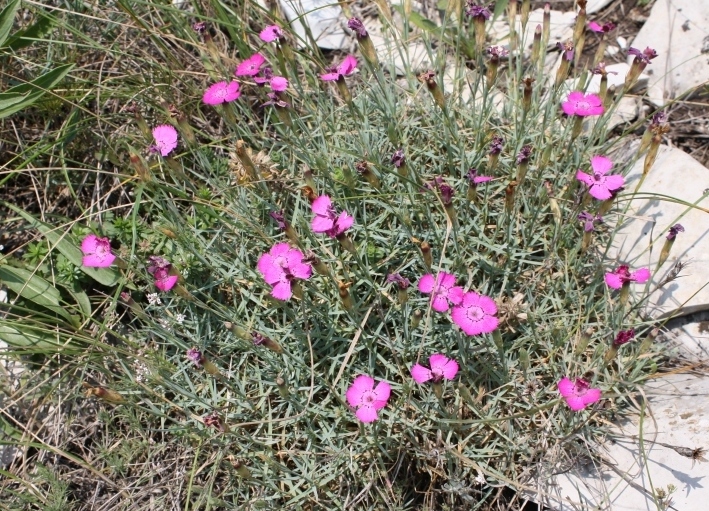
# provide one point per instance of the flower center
(437, 374)
(598, 177)
(368, 397)
(475, 314)
(582, 105)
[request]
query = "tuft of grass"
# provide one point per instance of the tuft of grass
(286, 437)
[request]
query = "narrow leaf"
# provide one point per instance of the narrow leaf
(35, 289)
(34, 89)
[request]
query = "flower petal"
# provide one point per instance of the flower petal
(601, 164)
(576, 403)
(641, 275)
(600, 191)
(566, 387)
(440, 303)
(584, 178)
(166, 283)
(591, 396)
(613, 280)
(322, 205)
(382, 392)
(614, 181)
(420, 374)
(426, 283)
(366, 413)
(89, 244)
(282, 290)
(321, 224)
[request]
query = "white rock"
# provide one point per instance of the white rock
(677, 176)
(322, 16)
(617, 80)
(561, 28)
(612, 50)
(683, 54)
(414, 57)
(677, 415)
(622, 42)
(625, 112)
(594, 6)
(691, 336)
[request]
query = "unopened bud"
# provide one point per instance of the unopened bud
(427, 256)
(416, 318)
(282, 387)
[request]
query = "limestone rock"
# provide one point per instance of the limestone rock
(677, 30)
(322, 17)
(561, 28)
(643, 229)
(594, 6)
(678, 416)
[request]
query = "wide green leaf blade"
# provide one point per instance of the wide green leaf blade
(35, 289)
(35, 89)
(7, 18)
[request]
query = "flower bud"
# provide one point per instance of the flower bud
(426, 252)
(103, 393)
(416, 318)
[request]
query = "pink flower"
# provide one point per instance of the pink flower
(582, 104)
(271, 33)
(279, 266)
(221, 92)
(367, 398)
(577, 394)
(279, 84)
(345, 68)
(165, 139)
(97, 252)
(326, 220)
(442, 289)
(195, 356)
(159, 268)
(594, 26)
(622, 275)
(250, 66)
(441, 367)
(600, 185)
(476, 314)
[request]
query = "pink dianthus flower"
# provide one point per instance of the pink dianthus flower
(442, 289)
(326, 220)
(582, 104)
(165, 139)
(599, 184)
(97, 252)
(159, 268)
(271, 33)
(221, 92)
(366, 398)
(441, 367)
(622, 275)
(278, 84)
(279, 266)
(476, 314)
(578, 394)
(345, 68)
(250, 66)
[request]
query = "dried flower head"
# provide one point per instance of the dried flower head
(589, 220)
(524, 155)
(398, 159)
(496, 145)
(401, 282)
(644, 56)
(674, 231)
(474, 10)
(567, 50)
(356, 25)
(624, 337)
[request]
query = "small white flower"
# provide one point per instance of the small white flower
(480, 479)
(180, 318)
(154, 299)
(165, 324)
